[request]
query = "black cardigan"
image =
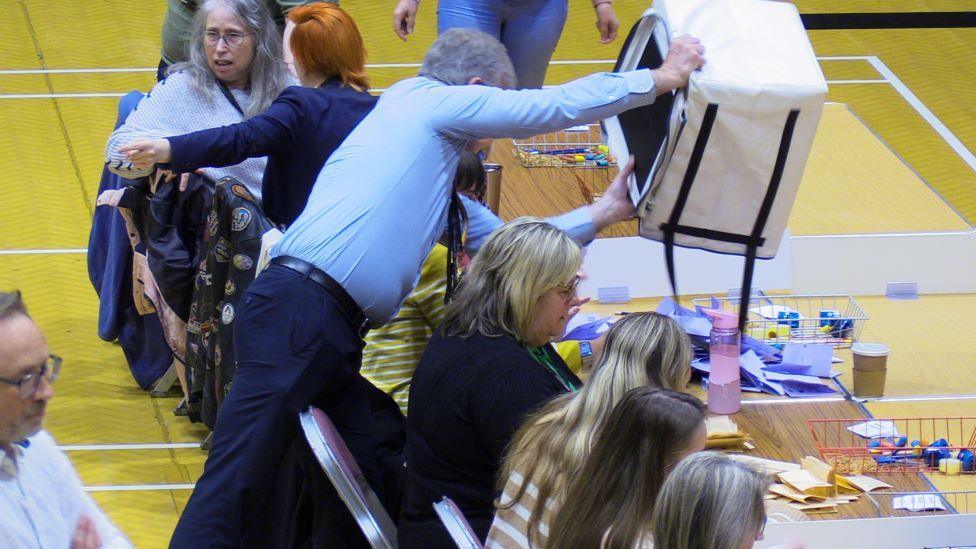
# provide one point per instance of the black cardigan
(467, 398)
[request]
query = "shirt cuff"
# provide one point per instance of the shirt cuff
(577, 223)
(639, 81)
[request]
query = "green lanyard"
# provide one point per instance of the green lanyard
(540, 355)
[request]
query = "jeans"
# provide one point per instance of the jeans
(529, 29)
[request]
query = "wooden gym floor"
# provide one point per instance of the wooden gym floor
(890, 156)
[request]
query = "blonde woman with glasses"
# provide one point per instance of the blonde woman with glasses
(711, 502)
(487, 367)
(642, 350)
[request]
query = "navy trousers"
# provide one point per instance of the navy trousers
(295, 346)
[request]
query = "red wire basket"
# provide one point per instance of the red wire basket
(915, 445)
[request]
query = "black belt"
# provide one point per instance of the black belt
(359, 321)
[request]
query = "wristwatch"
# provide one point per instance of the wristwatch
(586, 354)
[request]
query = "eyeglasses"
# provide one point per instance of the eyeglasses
(570, 287)
(233, 39)
(28, 384)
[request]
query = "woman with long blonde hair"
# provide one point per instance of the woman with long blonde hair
(643, 349)
(609, 503)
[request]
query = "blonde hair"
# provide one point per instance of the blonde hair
(521, 260)
(643, 349)
(609, 503)
(710, 502)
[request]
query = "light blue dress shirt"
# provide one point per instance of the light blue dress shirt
(380, 202)
(42, 499)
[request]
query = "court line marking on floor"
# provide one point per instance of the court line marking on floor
(917, 398)
(373, 90)
(21, 72)
(138, 487)
(965, 154)
(147, 446)
(45, 251)
(123, 70)
(792, 400)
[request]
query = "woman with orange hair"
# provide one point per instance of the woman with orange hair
(303, 126)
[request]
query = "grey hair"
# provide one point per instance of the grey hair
(269, 75)
(459, 55)
(710, 501)
(11, 303)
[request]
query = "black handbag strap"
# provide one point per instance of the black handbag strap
(754, 240)
(230, 97)
(694, 162)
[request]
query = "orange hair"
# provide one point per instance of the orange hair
(326, 40)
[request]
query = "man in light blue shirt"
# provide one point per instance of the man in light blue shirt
(355, 252)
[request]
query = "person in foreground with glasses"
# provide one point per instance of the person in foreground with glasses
(42, 500)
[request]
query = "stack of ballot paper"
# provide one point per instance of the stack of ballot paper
(722, 432)
(814, 487)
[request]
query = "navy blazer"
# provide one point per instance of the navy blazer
(297, 133)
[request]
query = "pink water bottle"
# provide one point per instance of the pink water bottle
(724, 396)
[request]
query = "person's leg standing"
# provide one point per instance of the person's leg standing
(530, 32)
(291, 338)
(484, 15)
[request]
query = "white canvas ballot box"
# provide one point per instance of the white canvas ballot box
(719, 163)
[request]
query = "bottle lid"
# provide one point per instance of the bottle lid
(722, 319)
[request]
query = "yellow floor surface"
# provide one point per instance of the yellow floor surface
(853, 183)
(51, 158)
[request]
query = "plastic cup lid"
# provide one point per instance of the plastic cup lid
(870, 349)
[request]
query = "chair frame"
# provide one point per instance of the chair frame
(348, 481)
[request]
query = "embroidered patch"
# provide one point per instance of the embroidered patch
(241, 191)
(230, 287)
(243, 262)
(240, 219)
(227, 313)
(222, 250)
(212, 223)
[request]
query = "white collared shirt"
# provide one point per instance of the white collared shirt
(42, 499)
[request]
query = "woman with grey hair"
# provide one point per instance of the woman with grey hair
(234, 72)
(710, 501)
(487, 367)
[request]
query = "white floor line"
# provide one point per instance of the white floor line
(919, 398)
(967, 156)
(106, 447)
(96, 70)
(858, 82)
(792, 400)
(138, 487)
(16, 72)
(843, 58)
(74, 71)
(58, 95)
(45, 251)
